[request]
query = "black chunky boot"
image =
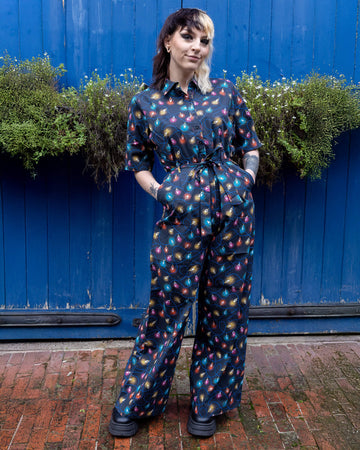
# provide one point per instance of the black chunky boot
(122, 426)
(198, 426)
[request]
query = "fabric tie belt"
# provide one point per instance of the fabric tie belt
(215, 195)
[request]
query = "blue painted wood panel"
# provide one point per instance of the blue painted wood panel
(66, 245)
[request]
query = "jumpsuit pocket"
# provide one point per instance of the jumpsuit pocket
(164, 193)
(241, 174)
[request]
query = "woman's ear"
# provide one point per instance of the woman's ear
(167, 44)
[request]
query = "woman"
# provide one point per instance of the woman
(203, 245)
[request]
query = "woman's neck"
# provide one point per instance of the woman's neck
(182, 78)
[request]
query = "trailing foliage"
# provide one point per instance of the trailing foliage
(101, 106)
(298, 121)
(31, 125)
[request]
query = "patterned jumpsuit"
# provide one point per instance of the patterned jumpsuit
(202, 246)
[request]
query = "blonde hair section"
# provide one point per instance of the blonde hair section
(203, 73)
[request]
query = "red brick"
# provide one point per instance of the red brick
(122, 443)
(224, 440)
(92, 423)
(317, 400)
(46, 412)
(28, 363)
(259, 403)
(14, 413)
(20, 386)
(207, 444)
(280, 418)
(156, 427)
(5, 438)
(16, 358)
(56, 435)
(83, 362)
(50, 382)
(285, 384)
(110, 366)
(291, 406)
(109, 391)
(303, 432)
(37, 439)
(77, 412)
(71, 438)
(61, 414)
(87, 444)
(80, 385)
(156, 443)
(55, 361)
(24, 429)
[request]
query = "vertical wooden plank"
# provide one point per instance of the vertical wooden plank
(144, 227)
(2, 253)
(145, 38)
(238, 37)
(293, 239)
(324, 41)
(80, 198)
(274, 208)
(201, 4)
(123, 35)
(101, 247)
(123, 241)
(260, 32)
(77, 45)
(54, 37)
(9, 30)
(36, 241)
(259, 199)
(303, 37)
(281, 32)
(350, 268)
(345, 38)
(58, 234)
(356, 76)
(14, 236)
(219, 12)
(313, 240)
(30, 16)
(100, 36)
(335, 222)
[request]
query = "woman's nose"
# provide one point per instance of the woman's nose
(196, 45)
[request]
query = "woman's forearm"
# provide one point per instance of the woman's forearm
(251, 162)
(147, 181)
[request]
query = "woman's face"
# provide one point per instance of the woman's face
(188, 49)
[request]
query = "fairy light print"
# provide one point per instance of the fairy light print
(202, 246)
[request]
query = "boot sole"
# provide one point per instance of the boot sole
(123, 429)
(201, 429)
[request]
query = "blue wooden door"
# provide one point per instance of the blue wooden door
(74, 258)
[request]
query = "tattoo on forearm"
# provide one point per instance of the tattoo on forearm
(251, 162)
(153, 190)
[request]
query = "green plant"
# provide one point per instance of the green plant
(298, 121)
(33, 123)
(101, 105)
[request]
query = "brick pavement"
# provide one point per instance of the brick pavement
(301, 392)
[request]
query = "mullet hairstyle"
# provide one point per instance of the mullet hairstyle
(190, 18)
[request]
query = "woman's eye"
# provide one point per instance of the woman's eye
(205, 41)
(186, 36)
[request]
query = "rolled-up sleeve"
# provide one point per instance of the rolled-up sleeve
(139, 149)
(245, 138)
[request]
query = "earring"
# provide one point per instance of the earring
(168, 49)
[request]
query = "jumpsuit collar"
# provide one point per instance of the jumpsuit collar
(174, 85)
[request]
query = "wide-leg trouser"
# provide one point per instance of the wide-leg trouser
(188, 264)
